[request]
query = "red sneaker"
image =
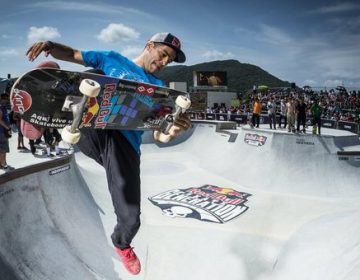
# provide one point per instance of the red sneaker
(130, 260)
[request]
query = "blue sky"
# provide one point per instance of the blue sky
(308, 42)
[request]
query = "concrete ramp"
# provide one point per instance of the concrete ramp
(220, 203)
(277, 161)
(303, 210)
(51, 226)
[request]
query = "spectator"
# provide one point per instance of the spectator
(229, 114)
(271, 106)
(52, 140)
(5, 133)
(256, 112)
(282, 113)
(290, 109)
(316, 112)
(301, 115)
(17, 120)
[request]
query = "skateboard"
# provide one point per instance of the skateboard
(74, 100)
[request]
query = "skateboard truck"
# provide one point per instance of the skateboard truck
(182, 103)
(89, 88)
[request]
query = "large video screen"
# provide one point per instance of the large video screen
(210, 78)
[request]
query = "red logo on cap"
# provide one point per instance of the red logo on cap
(176, 43)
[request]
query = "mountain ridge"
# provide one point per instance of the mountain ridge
(241, 77)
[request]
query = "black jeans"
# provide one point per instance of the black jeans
(301, 120)
(255, 119)
(285, 120)
(122, 165)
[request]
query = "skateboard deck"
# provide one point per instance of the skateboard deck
(54, 98)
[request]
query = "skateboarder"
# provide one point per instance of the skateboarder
(119, 150)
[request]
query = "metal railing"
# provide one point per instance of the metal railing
(242, 119)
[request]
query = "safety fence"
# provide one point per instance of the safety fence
(264, 119)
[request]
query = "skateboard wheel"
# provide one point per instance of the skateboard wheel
(164, 138)
(183, 102)
(70, 137)
(89, 88)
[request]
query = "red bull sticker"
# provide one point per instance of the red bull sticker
(105, 106)
(207, 203)
(255, 139)
(93, 108)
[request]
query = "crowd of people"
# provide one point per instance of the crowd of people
(46, 144)
(336, 104)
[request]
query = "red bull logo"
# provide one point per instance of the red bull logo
(226, 191)
(93, 109)
(207, 203)
(105, 106)
(255, 139)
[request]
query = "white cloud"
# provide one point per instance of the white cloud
(312, 60)
(8, 52)
(355, 21)
(310, 83)
(333, 83)
(274, 36)
(97, 8)
(217, 55)
(132, 52)
(42, 34)
(337, 8)
(117, 32)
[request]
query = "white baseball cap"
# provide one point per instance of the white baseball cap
(171, 41)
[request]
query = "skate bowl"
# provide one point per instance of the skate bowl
(221, 202)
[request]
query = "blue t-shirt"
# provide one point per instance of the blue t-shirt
(115, 65)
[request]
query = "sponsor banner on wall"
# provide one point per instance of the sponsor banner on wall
(349, 126)
(210, 117)
(324, 122)
(239, 118)
(328, 123)
(264, 119)
(221, 117)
